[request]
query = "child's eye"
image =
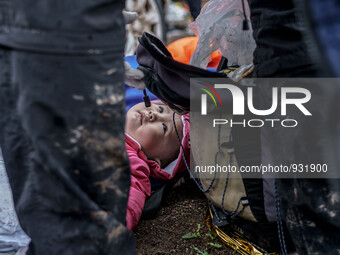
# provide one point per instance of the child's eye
(165, 128)
(161, 109)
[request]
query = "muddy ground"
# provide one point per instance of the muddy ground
(182, 210)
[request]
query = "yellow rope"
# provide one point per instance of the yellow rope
(233, 240)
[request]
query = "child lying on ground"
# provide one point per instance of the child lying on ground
(154, 150)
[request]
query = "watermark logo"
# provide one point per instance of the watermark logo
(239, 100)
(295, 96)
(204, 98)
(286, 121)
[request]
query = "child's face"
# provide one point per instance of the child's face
(153, 128)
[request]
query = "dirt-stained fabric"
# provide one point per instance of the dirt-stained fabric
(62, 123)
(285, 48)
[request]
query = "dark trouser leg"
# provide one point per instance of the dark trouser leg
(195, 7)
(62, 137)
(309, 207)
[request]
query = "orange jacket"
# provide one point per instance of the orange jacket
(182, 49)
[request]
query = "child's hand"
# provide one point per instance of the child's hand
(134, 77)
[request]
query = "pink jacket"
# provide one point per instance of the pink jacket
(140, 166)
(140, 188)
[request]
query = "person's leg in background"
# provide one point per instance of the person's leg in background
(62, 124)
(310, 207)
(195, 7)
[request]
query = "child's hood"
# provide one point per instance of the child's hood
(133, 147)
(178, 165)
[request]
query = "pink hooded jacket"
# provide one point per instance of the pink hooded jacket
(142, 169)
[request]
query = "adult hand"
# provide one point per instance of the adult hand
(129, 16)
(134, 77)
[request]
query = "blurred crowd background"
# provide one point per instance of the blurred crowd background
(166, 19)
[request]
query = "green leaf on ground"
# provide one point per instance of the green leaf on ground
(191, 235)
(216, 245)
(198, 228)
(210, 236)
(198, 251)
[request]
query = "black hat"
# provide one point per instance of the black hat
(168, 79)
